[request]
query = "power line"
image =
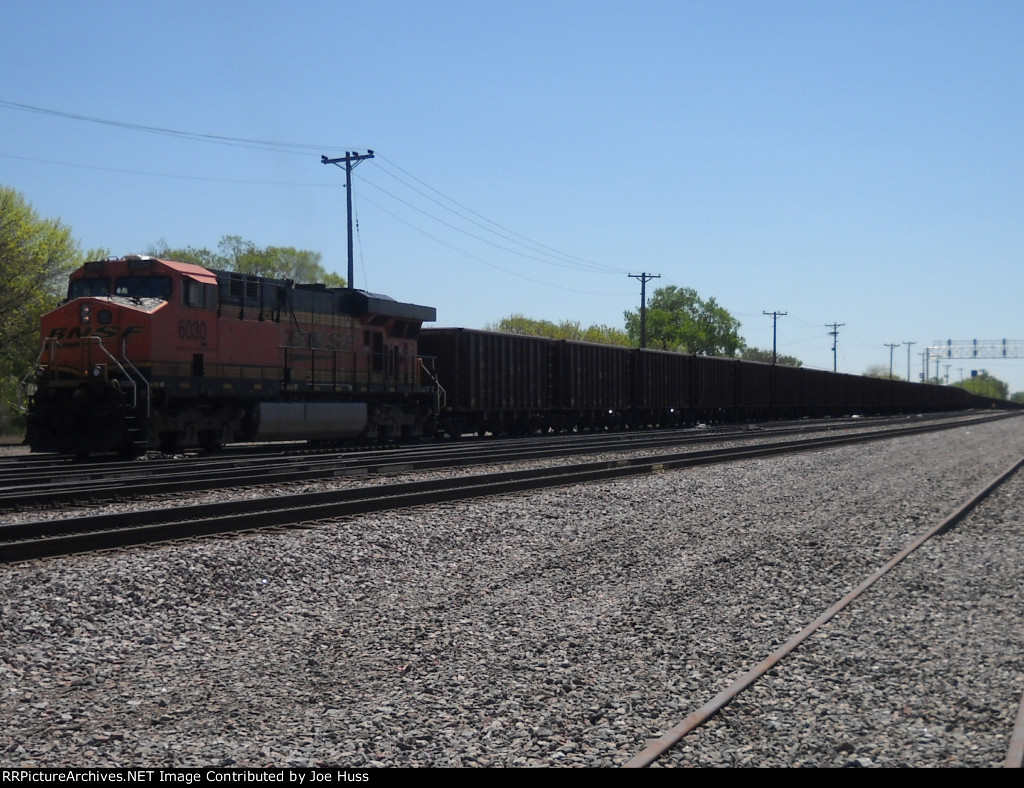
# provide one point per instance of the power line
(557, 258)
(528, 241)
(249, 182)
(478, 259)
(221, 139)
(302, 149)
(179, 176)
(467, 233)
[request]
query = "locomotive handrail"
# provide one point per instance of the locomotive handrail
(23, 384)
(141, 377)
(441, 396)
(358, 376)
(53, 343)
(108, 354)
(361, 374)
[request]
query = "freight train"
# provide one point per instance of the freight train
(155, 354)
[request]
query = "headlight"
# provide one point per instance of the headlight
(97, 371)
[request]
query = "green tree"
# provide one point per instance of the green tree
(880, 371)
(188, 254)
(527, 326)
(36, 256)
(1018, 397)
(606, 335)
(567, 329)
(234, 253)
(765, 357)
(679, 319)
(985, 385)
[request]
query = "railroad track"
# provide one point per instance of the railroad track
(776, 663)
(569, 628)
(23, 541)
(30, 481)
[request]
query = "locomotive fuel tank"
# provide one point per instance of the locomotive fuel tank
(310, 420)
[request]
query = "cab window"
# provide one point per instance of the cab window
(94, 287)
(143, 287)
(197, 294)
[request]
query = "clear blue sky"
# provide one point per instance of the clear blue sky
(853, 162)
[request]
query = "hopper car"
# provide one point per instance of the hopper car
(507, 383)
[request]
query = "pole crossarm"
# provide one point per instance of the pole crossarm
(977, 348)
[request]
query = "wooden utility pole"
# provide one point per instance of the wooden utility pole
(892, 346)
(834, 333)
(644, 279)
(775, 324)
(908, 344)
(351, 159)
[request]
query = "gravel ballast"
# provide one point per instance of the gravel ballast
(568, 627)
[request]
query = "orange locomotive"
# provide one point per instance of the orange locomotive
(149, 353)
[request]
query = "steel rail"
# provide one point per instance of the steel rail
(130, 481)
(26, 469)
(672, 737)
(120, 483)
(1015, 752)
(22, 541)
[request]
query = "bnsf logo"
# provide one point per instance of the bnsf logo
(192, 329)
(103, 332)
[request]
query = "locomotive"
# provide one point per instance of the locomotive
(150, 353)
(155, 354)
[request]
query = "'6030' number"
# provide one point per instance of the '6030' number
(192, 330)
